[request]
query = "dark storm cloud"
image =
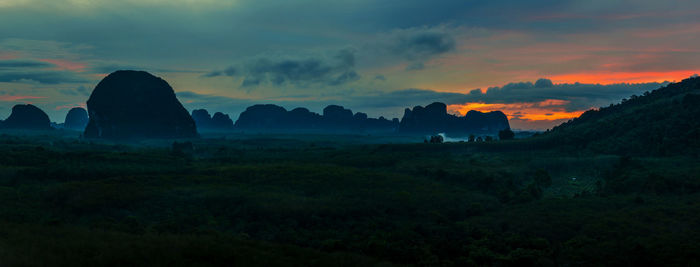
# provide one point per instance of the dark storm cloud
(581, 96)
(412, 47)
(420, 44)
(335, 70)
(543, 83)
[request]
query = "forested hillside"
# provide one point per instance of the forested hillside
(660, 122)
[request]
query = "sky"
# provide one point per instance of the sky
(542, 62)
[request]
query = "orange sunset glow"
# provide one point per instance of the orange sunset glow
(548, 110)
(623, 77)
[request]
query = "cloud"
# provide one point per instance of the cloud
(79, 91)
(213, 103)
(230, 71)
(529, 105)
(543, 83)
(571, 97)
(44, 77)
(89, 5)
(213, 100)
(11, 64)
(109, 68)
(415, 66)
(195, 95)
(33, 71)
(581, 96)
(421, 43)
(412, 48)
(104, 68)
(68, 92)
(335, 70)
(15, 98)
(380, 77)
(83, 90)
(462, 45)
(43, 49)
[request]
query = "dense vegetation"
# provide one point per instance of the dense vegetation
(661, 122)
(341, 200)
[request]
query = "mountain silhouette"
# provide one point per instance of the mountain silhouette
(335, 119)
(136, 104)
(662, 122)
(76, 119)
(222, 121)
(434, 118)
(27, 117)
(218, 122)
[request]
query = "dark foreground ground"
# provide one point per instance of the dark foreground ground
(340, 201)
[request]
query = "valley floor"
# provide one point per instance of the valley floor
(298, 200)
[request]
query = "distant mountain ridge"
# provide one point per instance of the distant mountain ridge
(434, 118)
(206, 122)
(129, 104)
(273, 118)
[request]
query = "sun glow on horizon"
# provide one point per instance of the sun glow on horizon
(606, 78)
(553, 111)
(547, 110)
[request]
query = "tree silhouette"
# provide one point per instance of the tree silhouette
(506, 134)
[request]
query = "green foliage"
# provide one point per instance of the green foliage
(662, 122)
(506, 134)
(240, 200)
(542, 178)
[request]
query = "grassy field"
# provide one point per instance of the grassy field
(319, 200)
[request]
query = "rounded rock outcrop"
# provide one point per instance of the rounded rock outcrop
(221, 121)
(76, 119)
(135, 104)
(27, 117)
(434, 118)
(218, 122)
